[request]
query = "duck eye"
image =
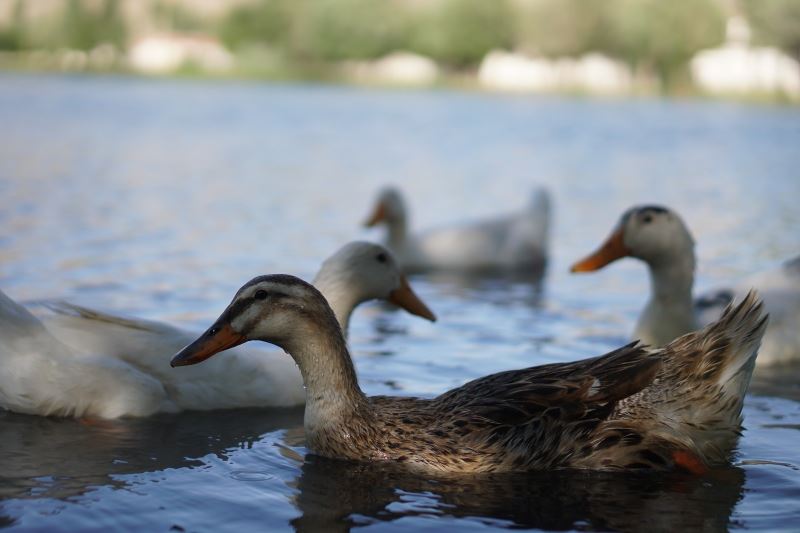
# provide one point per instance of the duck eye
(647, 219)
(260, 294)
(382, 257)
(213, 331)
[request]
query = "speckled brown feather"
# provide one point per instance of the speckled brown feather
(700, 388)
(634, 408)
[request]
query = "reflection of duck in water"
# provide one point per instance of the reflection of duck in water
(634, 408)
(45, 372)
(61, 457)
(658, 236)
(516, 241)
(544, 500)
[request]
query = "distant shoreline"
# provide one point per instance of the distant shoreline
(460, 82)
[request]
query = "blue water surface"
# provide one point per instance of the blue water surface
(159, 198)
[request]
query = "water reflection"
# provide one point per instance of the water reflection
(149, 217)
(338, 495)
(59, 458)
(63, 458)
(499, 288)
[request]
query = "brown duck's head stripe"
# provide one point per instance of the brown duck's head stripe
(277, 282)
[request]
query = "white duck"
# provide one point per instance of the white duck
(133, 376)
(513, 242)
(658, 236)
(41, 375)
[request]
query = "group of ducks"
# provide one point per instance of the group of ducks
(675, 405)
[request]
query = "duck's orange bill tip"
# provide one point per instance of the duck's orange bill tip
(379, 215)
(213, 341)
(406, 298)
(614, 248)
(690, 462)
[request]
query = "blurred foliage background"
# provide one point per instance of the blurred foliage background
(305, 37)
(776, 22)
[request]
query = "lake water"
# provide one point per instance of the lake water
(160, 198)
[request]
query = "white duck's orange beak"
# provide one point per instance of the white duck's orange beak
(378, 215)
(614, 248)
(406, 298)
(218, 338)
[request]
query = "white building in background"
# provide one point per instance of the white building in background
(162, 53)
(593, 73)
(508, 71)
(597, 73)
(397, 68)
(737, 67)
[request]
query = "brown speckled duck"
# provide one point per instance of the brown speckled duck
(634, 408)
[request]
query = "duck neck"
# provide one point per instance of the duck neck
(669, 313)
(332, 391)
(671, 280)
(341, 297)
(397, 230)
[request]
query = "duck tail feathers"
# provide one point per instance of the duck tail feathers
(16, 320)
(727, 349)
(707, 374)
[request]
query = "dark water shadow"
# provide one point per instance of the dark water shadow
(338, 496)
(45, 457)
(446, 292)
(499, 287)
(533, 270)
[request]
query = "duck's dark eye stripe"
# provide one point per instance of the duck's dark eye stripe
(260, 294)
(382, 257)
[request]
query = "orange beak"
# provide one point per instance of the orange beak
(407, 299)
(213, 341)
(614, 248)
(379, 215)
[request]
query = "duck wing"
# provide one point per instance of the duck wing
(144, 343)
(574, 389)
(246, 377)
(535, 418)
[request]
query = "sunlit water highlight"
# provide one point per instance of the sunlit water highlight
(159, 199)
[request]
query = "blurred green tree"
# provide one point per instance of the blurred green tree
(319, 30)
(264, 22)
(460, 32)
(662, 35)
(177, 17)
(77, 27)
(83, 28)
(776, 22)
(558, 28)
(12, 37)
(354, 29)
(112, 25)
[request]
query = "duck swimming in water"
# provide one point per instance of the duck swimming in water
(634, 408)
(658, 236)
(85, 363)
(513, 242)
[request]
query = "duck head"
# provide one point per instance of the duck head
(652, 233)
(389, 208)
(277, 308)
(362, 271)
